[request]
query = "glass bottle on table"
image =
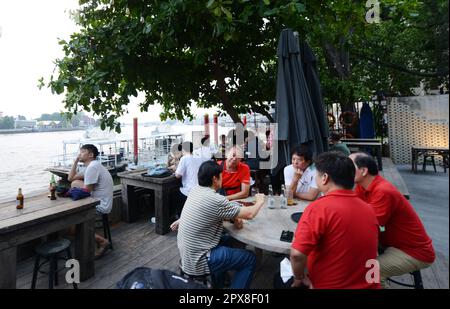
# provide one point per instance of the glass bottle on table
(283, 198)
(19, 199)
(270, 198)
(52, 188)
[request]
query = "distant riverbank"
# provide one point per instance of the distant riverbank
(27, 130)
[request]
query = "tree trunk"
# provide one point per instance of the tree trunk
(227, 105)
(338, 61)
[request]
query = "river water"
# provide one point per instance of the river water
(24, 157)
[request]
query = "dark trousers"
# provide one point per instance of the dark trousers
(180, 199)
(223, 258)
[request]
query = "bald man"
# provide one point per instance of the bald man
(407, 247)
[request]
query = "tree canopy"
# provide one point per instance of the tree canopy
(222, 53)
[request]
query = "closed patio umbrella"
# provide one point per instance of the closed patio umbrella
(309, 62)
(295, 114)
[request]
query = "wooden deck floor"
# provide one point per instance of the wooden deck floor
(137, 245)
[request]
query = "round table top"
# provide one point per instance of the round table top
(265, 229)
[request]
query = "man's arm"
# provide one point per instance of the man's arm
(295, 179)
(311, 195)
(73, 171)
(298, 262)
(245, 190)
(251, 211)
(89, 188)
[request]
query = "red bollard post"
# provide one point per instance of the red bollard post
(206, 123)
(216, 130)
(135, 139)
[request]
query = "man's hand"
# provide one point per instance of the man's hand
(259, 198)
(174, 225)
(302, 283)
(298, 174)
(238, 223)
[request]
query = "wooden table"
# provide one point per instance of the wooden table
(264, 231)
(42, 216)
(374, 144)
(417, 151)
(163, 188)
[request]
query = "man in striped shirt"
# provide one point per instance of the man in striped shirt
(200, 231)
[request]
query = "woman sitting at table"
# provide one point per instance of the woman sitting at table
(235, 175)
(299, 177)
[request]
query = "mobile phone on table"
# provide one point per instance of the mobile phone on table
(287, 236)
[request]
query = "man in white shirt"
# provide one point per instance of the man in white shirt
(205, 151)
(299, 177)
(187, 170)
(98, 181)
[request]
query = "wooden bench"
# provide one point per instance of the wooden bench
(391, 174)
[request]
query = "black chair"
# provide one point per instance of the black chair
(445, 162)
(429, 156)
(51, 252)
(104, 220)
(417, 278)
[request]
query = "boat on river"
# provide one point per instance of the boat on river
(117, 154)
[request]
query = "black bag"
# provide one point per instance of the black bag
(148, 278)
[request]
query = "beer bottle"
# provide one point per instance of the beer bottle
(52, 188)
(283, 198)
(19, 199)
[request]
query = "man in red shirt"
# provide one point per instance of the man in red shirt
(407, 246)
(235, 175)
(337, 235)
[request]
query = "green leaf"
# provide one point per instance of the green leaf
(227, 36)
(300, 7)
(217, 11)
(210, 3)
(147, 29)
(266, 2)
(227, 13)
(271, 12)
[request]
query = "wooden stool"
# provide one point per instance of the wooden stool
(50, 251)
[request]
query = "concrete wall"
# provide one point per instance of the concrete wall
(417, 121)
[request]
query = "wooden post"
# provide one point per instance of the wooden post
(129, 203)
(85, 247)
(162, 211)
(8, 260)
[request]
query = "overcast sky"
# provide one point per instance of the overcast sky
(28, 46)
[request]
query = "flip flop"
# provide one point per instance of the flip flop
(102, 250)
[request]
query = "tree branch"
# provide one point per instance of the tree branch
(400, 68)
(220, 77)
(262, 111)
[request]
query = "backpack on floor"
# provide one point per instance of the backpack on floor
(148, 278)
